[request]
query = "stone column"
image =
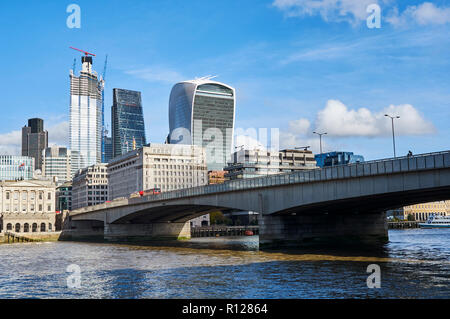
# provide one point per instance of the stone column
(304, 230)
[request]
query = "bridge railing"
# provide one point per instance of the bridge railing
(369, 168)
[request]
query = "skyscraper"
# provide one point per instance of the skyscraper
(34, 140)
(85, 116)
(202, 112)
(127, 120)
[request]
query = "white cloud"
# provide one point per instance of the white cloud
(248, 142)
(59, 134)
(11, 143)
(425, 14)
(352, 11)
(157, 74)
(338, 120)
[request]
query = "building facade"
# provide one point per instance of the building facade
(64, 197)
(257, 163)
(85, 116)
(90, 186)
(337, 158)
(216, 177)
(421, 212)
(202, 113)
(127, 120)
(14, 168)
(34, 141)
(108, 149)
(27, 206)
(56, 163)
(164, 166)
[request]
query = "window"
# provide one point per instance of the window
(7, 195)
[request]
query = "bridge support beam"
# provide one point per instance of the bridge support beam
(144, 232)
(303, 230)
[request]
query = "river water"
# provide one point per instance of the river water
(414, 264)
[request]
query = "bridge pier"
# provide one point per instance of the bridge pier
(302, 230)
(143, 232)
(83, 230)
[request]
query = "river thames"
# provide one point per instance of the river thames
(414, 264)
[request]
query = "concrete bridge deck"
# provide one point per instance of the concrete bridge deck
(340, 200)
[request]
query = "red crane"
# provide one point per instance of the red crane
(85, 53)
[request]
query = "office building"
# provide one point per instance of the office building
(127, 120)
(90, 186)
(34, 141)
(27, 206)
(202, 112)
(14, 168)
(85, 116)
(337, 158)
(64, 197)
(108, 149)
(56, 163)
(257, 163)
(164, 166)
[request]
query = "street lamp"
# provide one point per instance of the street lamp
(320, 136)
(393, 132)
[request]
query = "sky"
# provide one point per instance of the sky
(297, 66)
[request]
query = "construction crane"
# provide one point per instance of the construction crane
(85, 53)
(74, 65)
(104, 131)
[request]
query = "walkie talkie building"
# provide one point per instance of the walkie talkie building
(202, 112)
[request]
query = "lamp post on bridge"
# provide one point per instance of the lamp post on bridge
(393, 132)
(320, 136)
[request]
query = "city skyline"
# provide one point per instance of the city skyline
(294, 69)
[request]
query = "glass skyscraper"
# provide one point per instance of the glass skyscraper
(85, 116)
(202, 112)
(127, 121)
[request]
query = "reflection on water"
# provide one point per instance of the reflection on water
(415, 263)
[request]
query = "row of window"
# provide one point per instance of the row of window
(25, 208)
(25, 195)
(18, 228)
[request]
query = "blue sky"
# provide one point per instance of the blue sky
(297, 65)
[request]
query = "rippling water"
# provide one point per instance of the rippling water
(415, 264)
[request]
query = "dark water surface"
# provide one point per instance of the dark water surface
(415, 264)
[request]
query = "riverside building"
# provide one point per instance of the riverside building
(258, 163)
(202, 113)
(27, 206)
(164, 166)
(85, 116)
(90, 186)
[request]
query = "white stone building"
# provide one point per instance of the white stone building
(90, 186)
(27, 206)
(164, 166)
(56, 162)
